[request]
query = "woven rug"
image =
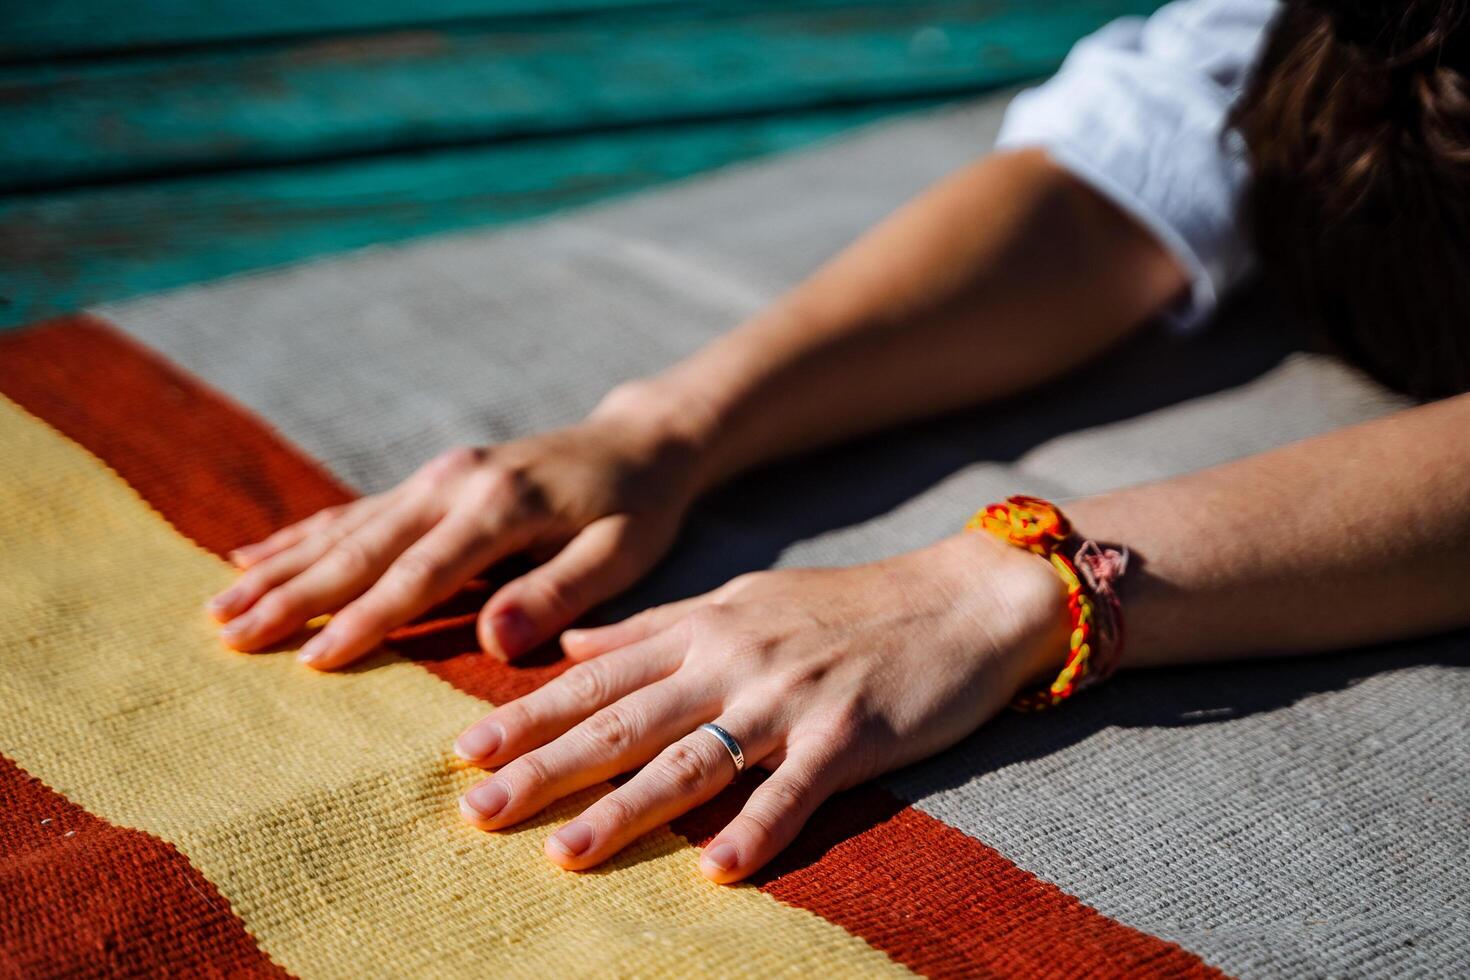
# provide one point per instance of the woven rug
(168, 807)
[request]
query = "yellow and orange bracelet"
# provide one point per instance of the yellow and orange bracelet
(1096, 641)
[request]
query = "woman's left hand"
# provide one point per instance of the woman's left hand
(826, 677)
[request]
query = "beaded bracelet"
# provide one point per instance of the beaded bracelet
(1090, 576)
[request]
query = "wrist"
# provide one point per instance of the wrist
(664, 425)
(664, 413)
(730, 402)
(1013, 592)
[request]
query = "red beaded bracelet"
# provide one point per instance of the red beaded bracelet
(1090, 577)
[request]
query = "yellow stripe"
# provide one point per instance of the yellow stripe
(322, 806)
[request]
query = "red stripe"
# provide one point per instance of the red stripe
(82, 897)
(226, 477)
(931, 897)
(217, 472)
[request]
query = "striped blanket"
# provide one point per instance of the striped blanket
(167, 807)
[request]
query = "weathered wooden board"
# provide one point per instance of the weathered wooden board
(44, 28)
(154, 143)
(105, 119)
(64, 250)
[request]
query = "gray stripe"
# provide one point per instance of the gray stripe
(1291, 818)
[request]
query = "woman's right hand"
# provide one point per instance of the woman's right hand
(600, 502)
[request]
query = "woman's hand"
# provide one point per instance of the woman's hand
(827, 677)
(603, 499)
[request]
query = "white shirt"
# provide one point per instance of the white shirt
(1137, 111)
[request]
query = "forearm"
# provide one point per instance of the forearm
(1349, 538)
(1006, 274)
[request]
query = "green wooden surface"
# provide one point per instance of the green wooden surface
(67, 250)
(49, 28)
(41, 28)
(326, 98)
(178, 160)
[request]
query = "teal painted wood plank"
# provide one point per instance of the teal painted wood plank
(318, 99)
(42, 28)
(47, 28)
(65, 250)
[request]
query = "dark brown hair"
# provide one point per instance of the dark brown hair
(1356, 124)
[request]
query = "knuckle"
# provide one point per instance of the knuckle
(845, 739)
(261, 578)
(414, 571)
(559, 592)
(740, 652)
(278, 604)
(797, 678)
(528, 773)
(448, 467)
(845, 723)
(740, 585)
(490, 489)
(833, 735)
(310, 522)
(531, 501)
(586, 685)
(708, 620)
(648, 615)
(349, 557)
(684, 768)
(328, 514)
(611, 730)
(780, 797)
(771, 813)
(626, 561)
(313, 524)
(757, 828)
(290, 532)
(455, 460)
(647, 622)
(615, 810)
(329, 537)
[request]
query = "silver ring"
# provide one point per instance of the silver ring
(737, 756)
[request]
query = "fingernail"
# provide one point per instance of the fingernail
(485, 800)
(316, 649)
(237, 628)
(721, 856)
(514, 633)
(225, 603)
(573, 636)
(237, 556)
(479, 742)
(572, 839)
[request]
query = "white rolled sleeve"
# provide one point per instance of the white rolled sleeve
(1138, 110)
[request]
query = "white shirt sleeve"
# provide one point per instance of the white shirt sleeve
(1138, 110)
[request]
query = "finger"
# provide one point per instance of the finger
(343, 572)
(286, 564)
(423, 576)
(585, 644)
(622, 736)
(252, 554)
(771, 818)
(554, 708)
(683, 776)
(605, 558)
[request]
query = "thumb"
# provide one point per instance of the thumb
(605, 558)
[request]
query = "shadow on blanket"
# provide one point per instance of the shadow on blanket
(1198, 696)
(747, 525)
